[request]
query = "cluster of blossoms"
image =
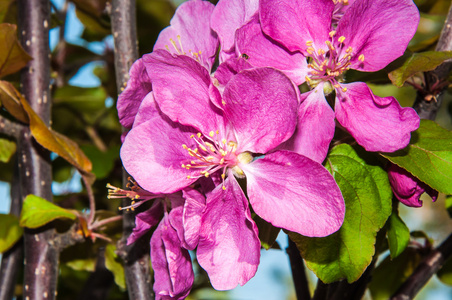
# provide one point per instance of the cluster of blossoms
(216, 107)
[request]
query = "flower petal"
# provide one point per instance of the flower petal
(152, 153)
(195, 205)
(380, 30)
(296, 193)
(189, 33)
(261, 106)
(229, 15)
(171, 264)
(183, 90)
(229, 247)
(262, 51)
(294, 22)
(229, 68)
(407, 188)
(138, 86)
(377, 124)
(315, 128)
(145, 220)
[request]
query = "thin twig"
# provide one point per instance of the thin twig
(98, 224)
(91, 199)
(426, 269)
(10, 128)
(298, 272)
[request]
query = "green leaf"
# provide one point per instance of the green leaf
(112, 263)
(398, 235)
(428, 156)
(7, 149)
(81, 99)
(103, 162)
(12, 56)
(445, 273)
(267, 232)
(418, 62)
(367, 193)
(10, 231)
(37, 212)
(390, 274)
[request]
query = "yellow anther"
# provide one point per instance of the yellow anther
(206, 174)
(223, 175)
(361, 58)
(310, 50)
(203, 148)
(337, 85)
(224, 188)
(184, 146)
(199, 52)
(167, 48)
(332, 33)
(321, 51)
(309, 43)
(211, 134)
(307, 78)
(341, 39)
(199, 134)
(222, 161)
(224, 141)
(349, 49)
(222, 102)
(344, 89)
(188, 176)
(183, 166)
(217, 132)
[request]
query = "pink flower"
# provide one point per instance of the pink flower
(407, 188)
(368, 36)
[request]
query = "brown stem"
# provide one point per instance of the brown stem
(92, 200)
(136, 258)
(103, 222)
(10, 128)
(41, 255)
(428, 267)
(298, 272)
(427, 109)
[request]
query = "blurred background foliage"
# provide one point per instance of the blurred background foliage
(84, 94)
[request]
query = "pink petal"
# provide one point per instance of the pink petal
(183, 90)
(190, 32)
(230, 68)
(138, 86)
(407, 188)
(315, 128)
(152, 153)
(377, 124)
(229, 15)
(294, 22)
(145, 221)
(261, 51)
(296, 193)
(229, 247)
(173, 273)
(261, 106)
(195, 205)
(380, 30)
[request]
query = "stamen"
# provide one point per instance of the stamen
(310, 50)
(341, 39)
(309, 43)
(180, 44)
(361, 58)
(332, 33)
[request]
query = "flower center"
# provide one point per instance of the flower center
(331, 64)
(210, 154)
(180, 49)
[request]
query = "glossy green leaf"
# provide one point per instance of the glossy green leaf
(418, 62)
(7, 149)
(398, 235)
(267, 232)
(10, 231)
(445, 273)
(390, 274)
(12, 56)
(428, 156)
(112, 263)
(37, 212)
(367, 193)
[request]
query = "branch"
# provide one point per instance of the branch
(300, 280)
(136, 258)
(12, 259)
(422, 274)
(434, 79)
(41, 255)
(10, 128)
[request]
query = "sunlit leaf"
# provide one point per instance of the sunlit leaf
(112, 263)
(398, 235)
(12, 56)
(7, 149)
(390, 274)
(56, 142)
(428, 156)
(10, 98)
(418, 62)
(365, 186)
(37, 212)
(10, 231)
